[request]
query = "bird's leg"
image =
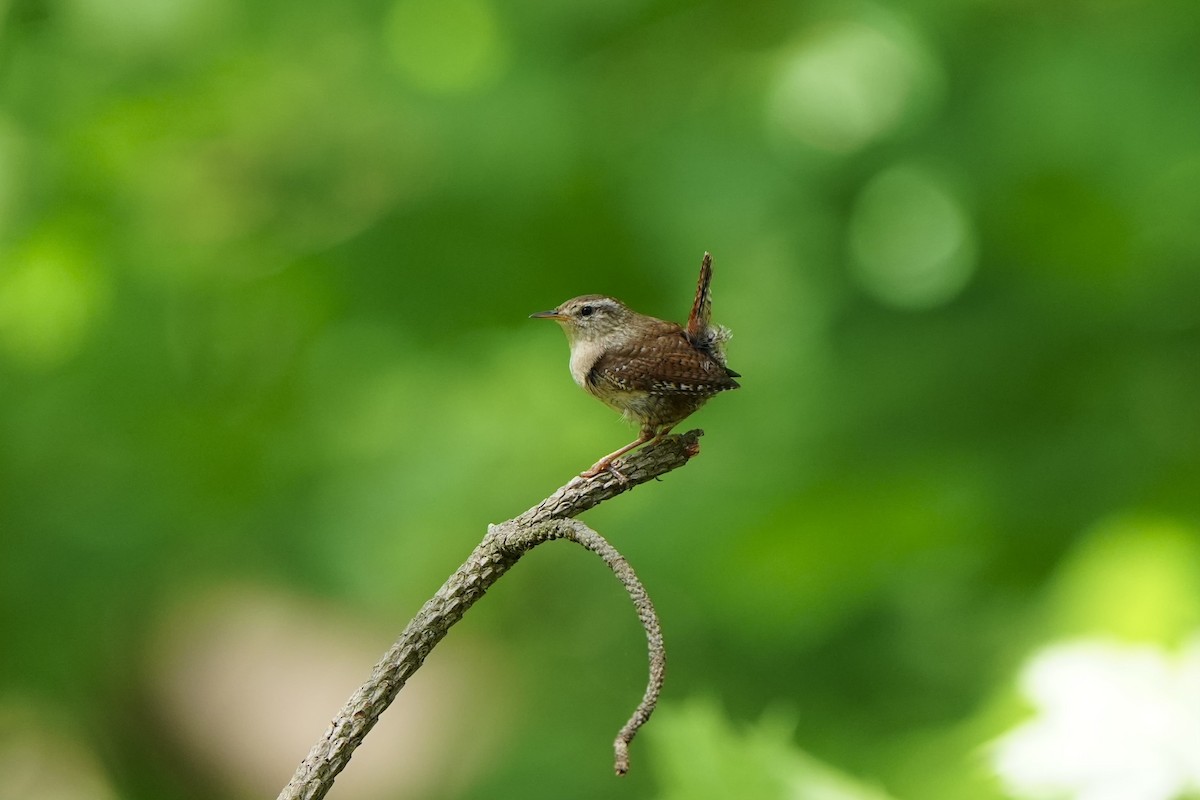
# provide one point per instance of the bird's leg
(606, 463)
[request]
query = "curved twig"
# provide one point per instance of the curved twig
(584, 536)
(503, 545)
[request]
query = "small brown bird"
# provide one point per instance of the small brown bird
(654, 372)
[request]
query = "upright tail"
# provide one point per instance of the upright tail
(700, 330)
(698, 320)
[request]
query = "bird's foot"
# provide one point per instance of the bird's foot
(605, 465)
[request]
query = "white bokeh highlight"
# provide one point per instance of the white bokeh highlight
(1114, 722)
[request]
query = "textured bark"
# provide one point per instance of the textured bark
(503, 545)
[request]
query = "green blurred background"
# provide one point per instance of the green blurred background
(266, 375)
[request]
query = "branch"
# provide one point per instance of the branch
(503, 545)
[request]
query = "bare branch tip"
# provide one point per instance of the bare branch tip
(621, 764)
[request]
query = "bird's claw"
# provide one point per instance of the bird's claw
(609, 467)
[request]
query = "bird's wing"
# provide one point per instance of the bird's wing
(664, 364)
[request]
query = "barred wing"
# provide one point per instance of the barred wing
(662, 365)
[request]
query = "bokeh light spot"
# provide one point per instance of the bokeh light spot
(445, 46)
(279, 665)
(911, 242)
(139, 25)
(1134, 577)
(849, 83)
(1112, 724)
(49, 296)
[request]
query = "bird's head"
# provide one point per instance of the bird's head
(592, 317)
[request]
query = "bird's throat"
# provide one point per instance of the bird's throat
(584, 354)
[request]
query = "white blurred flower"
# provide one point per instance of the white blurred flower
(1115, 722)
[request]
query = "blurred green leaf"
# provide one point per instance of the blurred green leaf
(701, 754)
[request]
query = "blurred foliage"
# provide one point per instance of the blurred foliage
(703, 759)
(264, 274)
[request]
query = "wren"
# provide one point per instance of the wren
(656, 373)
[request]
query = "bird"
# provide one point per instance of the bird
(656, 373)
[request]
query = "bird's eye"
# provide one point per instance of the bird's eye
(586, 311)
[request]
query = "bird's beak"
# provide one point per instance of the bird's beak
(547, 315)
